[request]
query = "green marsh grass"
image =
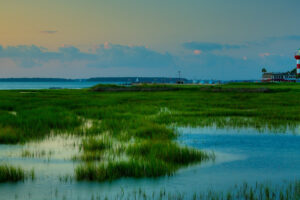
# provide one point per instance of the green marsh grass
(8, 135)
(154, 131)
(115, 170)
(146, 118)
(94, 148)
(168, 152)
(96, 144)
(14, 174)
(36, 154)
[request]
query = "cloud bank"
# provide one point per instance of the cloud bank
(105, 55)
(198, 60)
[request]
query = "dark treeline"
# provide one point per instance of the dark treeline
(37, 80)
(99, 79)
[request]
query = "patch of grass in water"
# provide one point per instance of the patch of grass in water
(151, 158)
(96, 144)
(89, 156)
(168, 152)
(115, 170)
(36, 154)
(93, 148)
(154, 131)
(13, 174)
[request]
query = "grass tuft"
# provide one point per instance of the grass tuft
(14, 174)
(116, 170)
(168, 152)
(96, 144)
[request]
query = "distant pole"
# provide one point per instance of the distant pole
(179, 72)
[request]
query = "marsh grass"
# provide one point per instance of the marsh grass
(14, 174)
(150, 158)
(154, 131)
(94, 148)
(168, 152)
(96, 144)
(35, 124)
(259, 191)
(146, 119)
(43, 111)
(36, 154)
(115, 170)
(8, 135)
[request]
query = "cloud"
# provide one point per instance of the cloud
(26, 56)
(105, 55)
(209, 46)
(130, 56)
(122, 60)
(49, 31)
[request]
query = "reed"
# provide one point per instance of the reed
(259, 191)
(115, 170)
(13, 174)
(168, 152)
(154, 131)
(96, 144)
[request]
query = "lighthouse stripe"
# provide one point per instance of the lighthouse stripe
(298, 62)
(298, 71)
(298, 66)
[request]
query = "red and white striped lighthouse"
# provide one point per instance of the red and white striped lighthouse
(297, 56)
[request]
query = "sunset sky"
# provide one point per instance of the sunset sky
(205, 39)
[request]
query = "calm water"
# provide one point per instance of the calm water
(47, 85)
(241, 155)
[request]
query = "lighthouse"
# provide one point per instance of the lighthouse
(297, 57)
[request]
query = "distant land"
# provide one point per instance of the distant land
(124, 80)
(37, 80)
(99, 79)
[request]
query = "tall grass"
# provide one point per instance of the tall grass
(8, 135)
(148, 159)
(259, 191)
(14, 174)
(154, 131)
(93, 148)
(96, 144)
(116, 170)
(35, 123)
(168, 152)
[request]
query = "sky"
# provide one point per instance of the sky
(204, 39)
